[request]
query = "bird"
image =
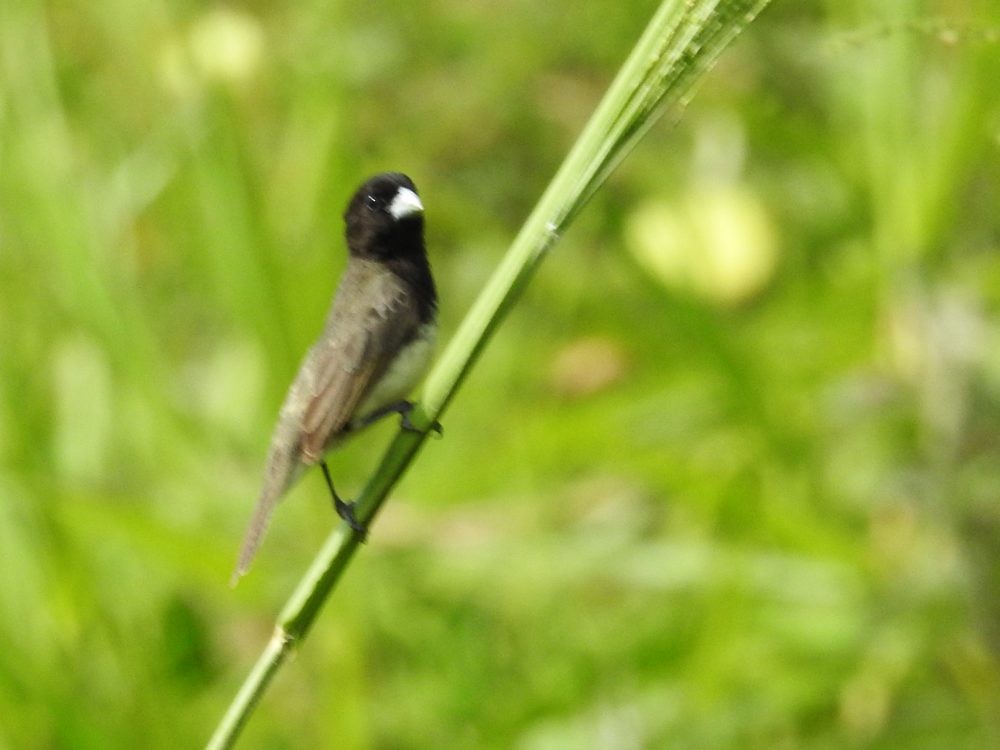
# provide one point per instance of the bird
(374, 348)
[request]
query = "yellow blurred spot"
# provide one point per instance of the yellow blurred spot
(717, 242)
(227, 45)
(223, 46)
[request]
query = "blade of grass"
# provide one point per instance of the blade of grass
(681, 42)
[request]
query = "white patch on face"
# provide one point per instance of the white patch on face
(406, 203)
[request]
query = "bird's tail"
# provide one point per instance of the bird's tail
(282, 471)
(254, 535)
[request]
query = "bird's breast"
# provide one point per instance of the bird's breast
(404, 372)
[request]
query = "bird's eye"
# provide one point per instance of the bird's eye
(372, 203)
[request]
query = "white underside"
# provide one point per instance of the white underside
(404, 373)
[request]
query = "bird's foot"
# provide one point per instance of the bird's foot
(408, 426)
(403, 409)
(346, 511)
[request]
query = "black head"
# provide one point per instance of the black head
(385, 218)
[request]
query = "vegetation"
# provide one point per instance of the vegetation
(725, 479)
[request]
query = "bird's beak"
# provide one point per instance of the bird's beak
(406, 203)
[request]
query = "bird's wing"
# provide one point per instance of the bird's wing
(334, 378)
(347, 366)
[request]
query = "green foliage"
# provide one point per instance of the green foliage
(726, 479)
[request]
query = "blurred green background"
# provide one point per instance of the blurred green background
(727, 478)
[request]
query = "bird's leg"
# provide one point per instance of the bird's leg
(344, 510)
(403, 409)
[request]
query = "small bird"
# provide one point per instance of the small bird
(375, 346)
